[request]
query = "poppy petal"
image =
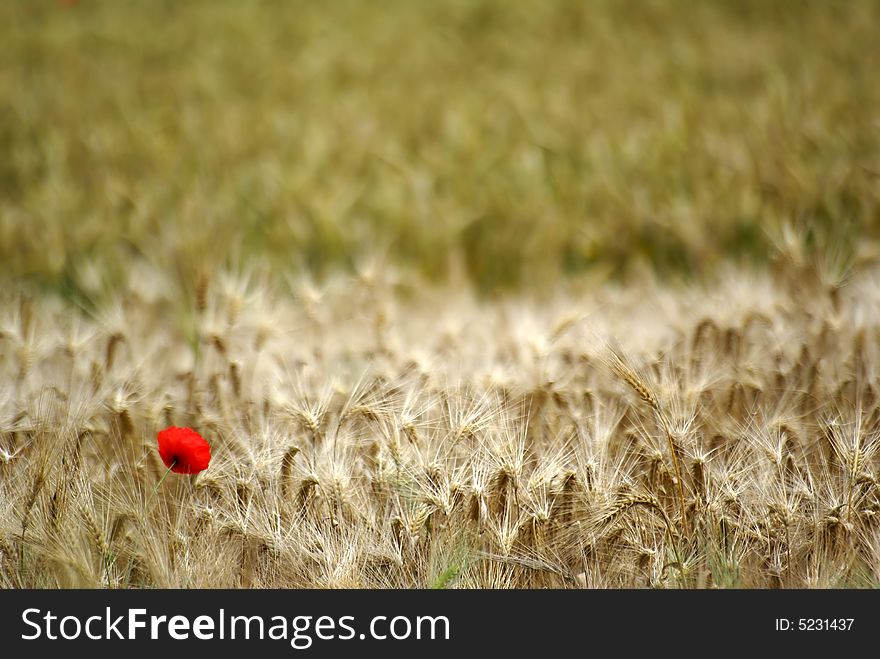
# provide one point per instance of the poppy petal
(184, 450)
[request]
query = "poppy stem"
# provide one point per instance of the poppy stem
(165, 475)
(162, 480)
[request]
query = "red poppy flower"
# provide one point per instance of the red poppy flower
(184, 450)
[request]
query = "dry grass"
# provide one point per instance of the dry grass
(363, 440)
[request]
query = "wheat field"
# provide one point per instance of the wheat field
(462, 294)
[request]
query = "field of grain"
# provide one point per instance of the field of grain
(465, 294)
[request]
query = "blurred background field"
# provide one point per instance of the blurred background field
(514, 142)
